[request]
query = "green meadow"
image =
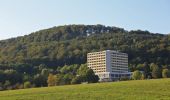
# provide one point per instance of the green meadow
(158, 89)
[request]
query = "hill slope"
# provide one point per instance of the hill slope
(70, 44)
(129, 90)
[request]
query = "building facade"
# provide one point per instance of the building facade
(109, 65)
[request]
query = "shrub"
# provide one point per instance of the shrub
(165, 73)
(27, 84)
(137, 75)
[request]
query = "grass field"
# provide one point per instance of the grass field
(128, 90)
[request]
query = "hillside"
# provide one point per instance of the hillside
(69, 45)
(129, 90)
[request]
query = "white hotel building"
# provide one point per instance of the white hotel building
(109, 65)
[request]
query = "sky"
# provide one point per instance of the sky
(21, 17)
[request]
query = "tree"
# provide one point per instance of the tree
(27, 77)
(1, 86)
(142, 76)
(165, 73)
(40, 80)
(146, 69)
(45, 72)
(27, 84)
(7, 83)
(137, 75)
(2, 76)
(51, 80)
(86, 74)
(64, 69)
(67, 78)
(82, 70)
(58, 79)
(13, 76)
(140, 67)
(76, 80)
(156, 71)
(42, 66)
(91, 77)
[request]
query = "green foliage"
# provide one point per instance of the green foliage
(156, 71)
(58, 79)
(147, 70)
(27, 84)
(40, 80)
(166, 73)
(7, 83)
(45, 72)
(75, 74)
(27, 77)
(86, 74)
(51, 80)
(67, 45)
(137, 75)
(76, 80)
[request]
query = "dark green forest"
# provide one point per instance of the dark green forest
(68, 45)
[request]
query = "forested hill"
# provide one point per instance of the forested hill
(66, 45)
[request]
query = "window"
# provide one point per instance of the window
(116, 75)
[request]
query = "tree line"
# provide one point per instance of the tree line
(150, 71)
(43, 76)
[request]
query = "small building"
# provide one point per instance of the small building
(109, 65)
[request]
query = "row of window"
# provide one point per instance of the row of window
(119, 59)
(114, 68)
(98, 68)
(103, 75)
(94, 57)
(118, 62)
(99, 71)
(96, 53)
(119, 70)
(119, 65)
(119, 54)
(120, 75)
(102, 60)
(96, 64)
(123, 61)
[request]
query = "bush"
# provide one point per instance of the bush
(27, 84)
(124, 78)
(76, 80)
(137, 75)
(7, 83)
(165, 73)
(51, 80)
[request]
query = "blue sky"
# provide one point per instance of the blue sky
(20, 17)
